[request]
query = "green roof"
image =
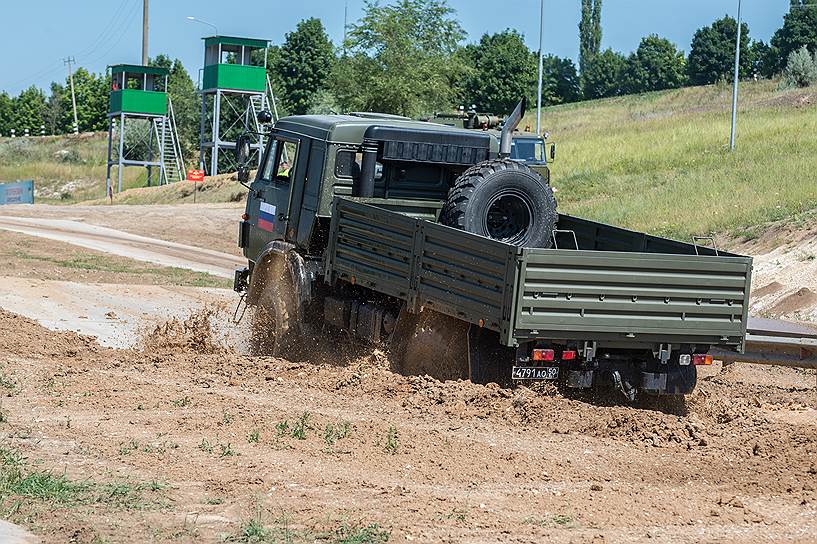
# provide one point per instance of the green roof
(139, 69)
(232, 40)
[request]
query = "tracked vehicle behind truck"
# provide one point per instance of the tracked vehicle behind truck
(432, 241)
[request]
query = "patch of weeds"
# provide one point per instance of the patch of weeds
(205, 446)
(125, 449)
(392, 441)
(332, 433)
(18, 481)
(562, 520)
(254, 436)
(370, 534)
(215, 500)
(455, 514)
(139, 407)
(227, 417)
(282, 428)
(227, 450)
(7, 383)
(301, 426)
(182, 402)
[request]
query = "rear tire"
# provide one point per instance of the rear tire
(504, 200)
(430, 343)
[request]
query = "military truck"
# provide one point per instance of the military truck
(432, 241)
(527, 147)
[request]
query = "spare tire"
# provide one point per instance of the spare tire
(504, 200)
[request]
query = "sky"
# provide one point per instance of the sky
(37, 34)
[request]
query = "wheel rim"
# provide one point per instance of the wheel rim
(509, 217)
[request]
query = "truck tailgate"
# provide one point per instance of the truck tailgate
(632, 296)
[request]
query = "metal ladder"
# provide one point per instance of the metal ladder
(173, 167)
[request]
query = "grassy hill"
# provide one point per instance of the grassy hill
(660, 162)
(657, 162)
(65, 169)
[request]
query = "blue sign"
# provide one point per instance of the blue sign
(20, 192)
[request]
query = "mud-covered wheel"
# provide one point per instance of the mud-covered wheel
(273, 317)
(430, 343)
(504, 200)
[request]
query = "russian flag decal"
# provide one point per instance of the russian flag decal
(266, 217)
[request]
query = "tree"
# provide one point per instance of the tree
(91, 93)
(186, 105)
(801, 68)
(657, 64)
(502, 70)
(799, 29)
(28, 111)
(589, 32)
(304, 64)
(54, 116)
(6, 108)
(764, 59)
(401, 59)
(560, 80)
(603, 75)
(712, 55)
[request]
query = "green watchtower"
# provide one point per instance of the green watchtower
(140, 107)
(234, 89)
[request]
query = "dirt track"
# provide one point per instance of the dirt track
(184, 440)
(464, 463)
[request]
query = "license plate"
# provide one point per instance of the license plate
(535, 373)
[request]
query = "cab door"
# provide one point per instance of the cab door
(274, 185)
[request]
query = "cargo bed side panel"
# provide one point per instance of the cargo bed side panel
(632, 296)
(427, 265)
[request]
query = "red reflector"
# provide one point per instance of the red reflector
(701, 359)
(244, 216)
(543, 355)
(568, 355)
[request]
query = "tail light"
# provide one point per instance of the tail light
(701, 359)
(543, 355)
(244, 216)
(569, 355)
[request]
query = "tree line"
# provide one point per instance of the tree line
(409, 58)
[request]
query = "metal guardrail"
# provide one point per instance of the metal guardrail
(774, 342)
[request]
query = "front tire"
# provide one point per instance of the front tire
(274, 316)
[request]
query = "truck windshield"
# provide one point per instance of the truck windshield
(528, 149)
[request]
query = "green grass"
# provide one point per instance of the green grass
(65, 169)
(105, 263)
(22, 485)
(660, 162)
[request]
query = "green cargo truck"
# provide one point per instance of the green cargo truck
(434, 242)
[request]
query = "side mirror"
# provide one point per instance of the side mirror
(242, 157)
(552, 152)
(264, 117)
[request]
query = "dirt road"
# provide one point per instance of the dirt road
(207, 445)
(125, 244)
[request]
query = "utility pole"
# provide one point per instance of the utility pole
(541, 66)
(345, 23)
(735, 87)
(68, 61)
(144, 32)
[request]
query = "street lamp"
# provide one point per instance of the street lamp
(194, 19)
(735, 86)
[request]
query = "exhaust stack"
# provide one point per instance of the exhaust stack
(510, 125)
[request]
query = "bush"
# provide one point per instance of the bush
(801, 68)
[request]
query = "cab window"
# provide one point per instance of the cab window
(280, 161)
(528, 149)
